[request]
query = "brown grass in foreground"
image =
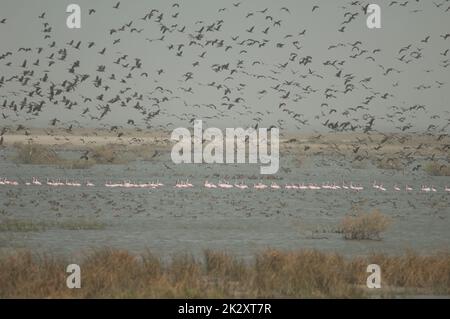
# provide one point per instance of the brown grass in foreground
(271, 274)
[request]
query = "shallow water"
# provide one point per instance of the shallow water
(170, 220)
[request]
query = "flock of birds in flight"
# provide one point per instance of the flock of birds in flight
(227, 67)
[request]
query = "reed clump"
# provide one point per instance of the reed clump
(31, 153)
(365, 225)
(39, 154)
(390, 163)
(36, 154)
(437, 169)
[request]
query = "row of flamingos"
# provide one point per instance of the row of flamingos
(226, 185)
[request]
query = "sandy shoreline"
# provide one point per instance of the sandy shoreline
(341, 143)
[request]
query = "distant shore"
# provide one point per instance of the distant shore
(328, 143)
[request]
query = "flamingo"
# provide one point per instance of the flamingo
(275, 186)
(260, 186)
(74, 184)
(241, 186)
(408, 188)
(183, 184)
(11, 182)
(356, 188)
(153, 184)
(224, 185)
(127, 184)
(425, 189)
(326, 186)
(179, 184)
(210, 185)
(447, 189)
(396, 188)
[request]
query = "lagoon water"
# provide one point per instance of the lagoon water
(169, 220)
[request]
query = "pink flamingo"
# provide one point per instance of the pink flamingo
(224, 185)
(326, 186)
(275, 186)
(241, 185)
(356, 188)
(210, 185)
(179, 184)
(260, 186)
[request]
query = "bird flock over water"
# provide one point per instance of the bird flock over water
(180, 184)
(239, 62)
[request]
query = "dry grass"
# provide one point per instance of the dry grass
(391, 163)
(437, 169)
(26, 225)
(46, 155)
(104, 154)
(365, 225)
(120, 154)
(35, 154)
(271, 274)
(18, 225)
(107, 154)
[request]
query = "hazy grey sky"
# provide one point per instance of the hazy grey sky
(255, 79)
